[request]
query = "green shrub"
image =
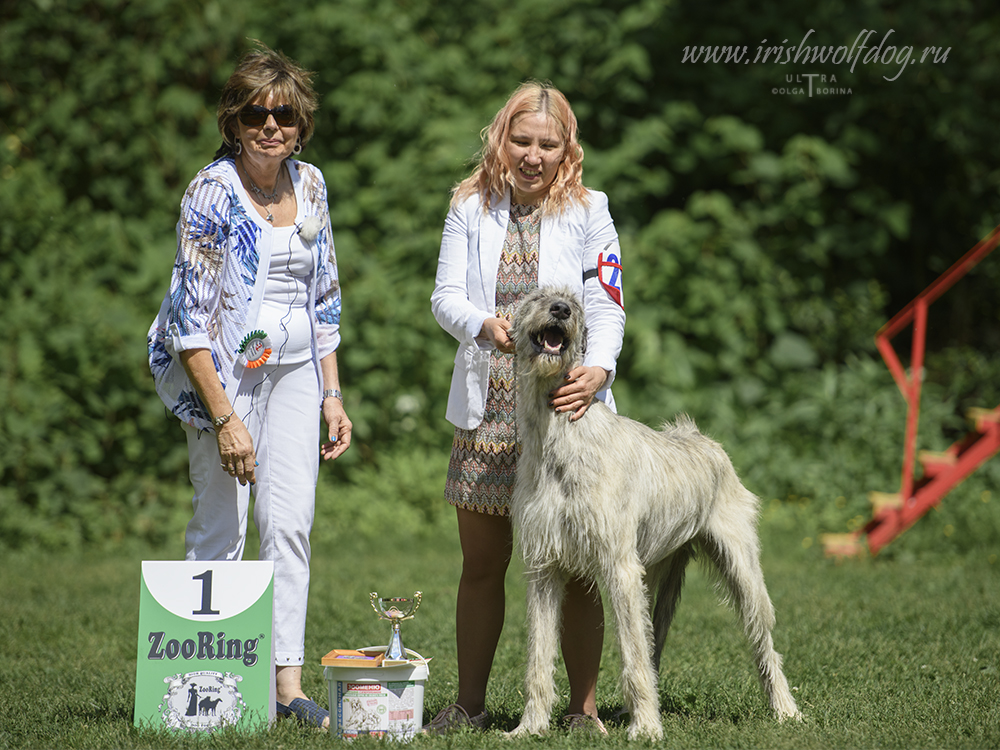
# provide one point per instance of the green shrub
(763, 241)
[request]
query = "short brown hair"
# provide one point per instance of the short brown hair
(260, 73)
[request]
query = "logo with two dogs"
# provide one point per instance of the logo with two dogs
(202, 700)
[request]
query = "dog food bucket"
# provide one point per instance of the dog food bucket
(385, 701)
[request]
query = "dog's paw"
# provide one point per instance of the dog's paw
(784, 708)
(784, 716)
(520, 731)
(527, 727)
(649, 731)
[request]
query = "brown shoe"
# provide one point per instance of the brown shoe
(455, 717)
(584, 723)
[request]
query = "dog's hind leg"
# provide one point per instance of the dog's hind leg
(627, 596)
(669, 579)
(733, 547)
(546, 589)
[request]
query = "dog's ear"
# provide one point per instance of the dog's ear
(583, 343)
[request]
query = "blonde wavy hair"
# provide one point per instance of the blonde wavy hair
(493, 175)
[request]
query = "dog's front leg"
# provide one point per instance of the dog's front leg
(627, 593)
(546, 589)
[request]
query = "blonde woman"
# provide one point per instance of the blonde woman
(522, 219)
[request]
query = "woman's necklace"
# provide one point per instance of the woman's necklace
(269, 197)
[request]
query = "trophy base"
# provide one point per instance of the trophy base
(395, 651)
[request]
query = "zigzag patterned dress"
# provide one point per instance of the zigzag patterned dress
(484, 460)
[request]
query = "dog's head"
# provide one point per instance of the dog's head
(549, 331)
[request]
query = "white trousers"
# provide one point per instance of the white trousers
(280, 407)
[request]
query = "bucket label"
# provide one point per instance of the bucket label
(378, 708)
(204, 657)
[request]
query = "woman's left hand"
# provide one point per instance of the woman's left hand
(578, 393)
(339, 429)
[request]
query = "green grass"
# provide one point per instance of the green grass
(899, 652)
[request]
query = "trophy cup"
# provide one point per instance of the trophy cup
(395, 610)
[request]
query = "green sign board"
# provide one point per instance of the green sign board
(205, 653)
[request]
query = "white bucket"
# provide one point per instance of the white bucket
(381, 701)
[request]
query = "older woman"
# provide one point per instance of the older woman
(522, 219)
(243, 351)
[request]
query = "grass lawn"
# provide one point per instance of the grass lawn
(881, 653)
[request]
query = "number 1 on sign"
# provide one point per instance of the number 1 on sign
(206, 594)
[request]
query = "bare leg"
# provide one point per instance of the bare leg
(582, 641)
(487, 545)
(289, 684)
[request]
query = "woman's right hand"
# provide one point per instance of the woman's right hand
(235, 444)
(495, 331)
(236, 450)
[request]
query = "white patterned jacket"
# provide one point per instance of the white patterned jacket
(216, 290)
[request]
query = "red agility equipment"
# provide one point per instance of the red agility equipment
(894, 514)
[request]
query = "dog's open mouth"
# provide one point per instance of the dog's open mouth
(549, 341)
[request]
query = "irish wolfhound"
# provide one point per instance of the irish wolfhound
(610, 499)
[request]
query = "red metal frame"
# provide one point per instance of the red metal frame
(917, 497)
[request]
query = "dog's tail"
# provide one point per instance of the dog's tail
(682, 426)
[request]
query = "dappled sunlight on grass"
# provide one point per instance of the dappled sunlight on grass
(879, 653)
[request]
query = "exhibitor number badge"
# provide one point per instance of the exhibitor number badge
(255, 349)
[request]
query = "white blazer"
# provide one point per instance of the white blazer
(570, 244)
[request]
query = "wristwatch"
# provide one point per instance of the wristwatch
(333, 393)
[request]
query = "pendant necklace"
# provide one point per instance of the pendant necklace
(261, 194)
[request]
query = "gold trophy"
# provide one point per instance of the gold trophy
(395, 610)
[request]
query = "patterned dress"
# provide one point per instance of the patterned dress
(484, 460)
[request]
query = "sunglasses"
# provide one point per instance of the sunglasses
(254, 115)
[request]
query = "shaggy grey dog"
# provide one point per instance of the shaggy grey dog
(610, 499)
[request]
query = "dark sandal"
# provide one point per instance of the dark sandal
(306, 711)
(453, 717)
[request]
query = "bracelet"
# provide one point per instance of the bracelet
(219, 421)
(332, 393)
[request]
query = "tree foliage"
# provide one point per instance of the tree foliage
(766, 236)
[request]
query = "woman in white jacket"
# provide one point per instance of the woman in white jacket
(522, 219)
